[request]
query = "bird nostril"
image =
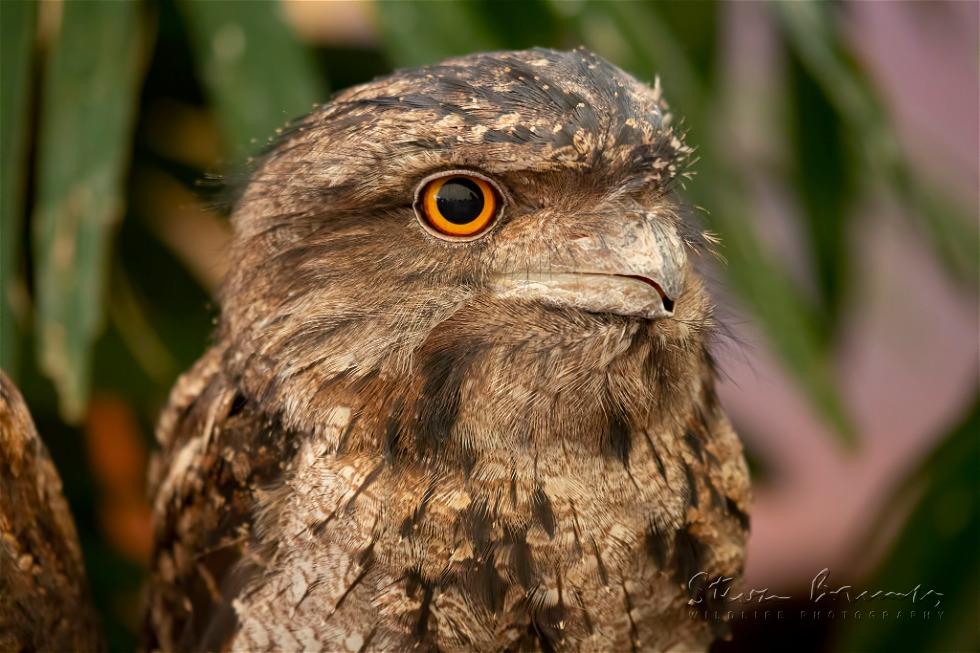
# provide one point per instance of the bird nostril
(668, 303)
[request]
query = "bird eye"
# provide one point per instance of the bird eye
(458, 205)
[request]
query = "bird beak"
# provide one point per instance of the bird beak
(637, 270)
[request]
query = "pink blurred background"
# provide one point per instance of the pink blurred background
(908, 362)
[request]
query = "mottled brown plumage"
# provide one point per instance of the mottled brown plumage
(44, 600)
(399, 442)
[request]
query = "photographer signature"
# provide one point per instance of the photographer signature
(721, 589)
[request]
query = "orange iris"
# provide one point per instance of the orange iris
(459, 205)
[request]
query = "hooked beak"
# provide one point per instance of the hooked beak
(637, 271)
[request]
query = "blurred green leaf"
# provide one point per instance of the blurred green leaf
(525, 24)
(954, 234)
(90, 94)
(418, 32)
(656, 51)
(937, 550)
(17, 20)
(822, 173)
(137, 332)
(786, 318)
(811, 32)
(258, 75)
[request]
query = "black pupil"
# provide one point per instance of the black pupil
(460, 200)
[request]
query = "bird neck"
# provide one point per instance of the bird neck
(491, 381)
(467, 400)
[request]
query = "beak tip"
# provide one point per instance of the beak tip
(665, 299)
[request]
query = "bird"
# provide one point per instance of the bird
(461, 394)
(44, 599)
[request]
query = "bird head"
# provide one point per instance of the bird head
(514, 202)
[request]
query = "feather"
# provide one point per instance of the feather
(386, 449)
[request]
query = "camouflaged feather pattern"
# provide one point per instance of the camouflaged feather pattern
(379, 454)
